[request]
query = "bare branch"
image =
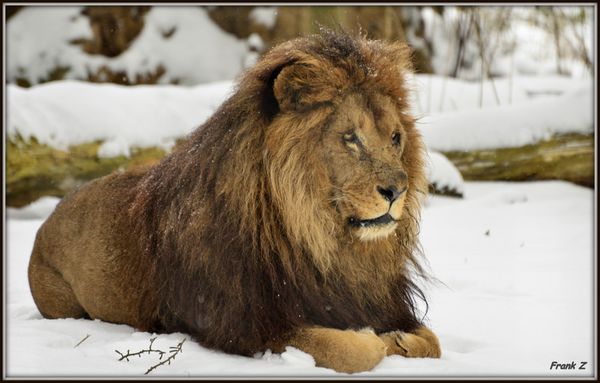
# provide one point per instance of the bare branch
(150, 350)
(174, 352)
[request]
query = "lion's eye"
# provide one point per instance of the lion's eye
(351, 138)
(396, 137)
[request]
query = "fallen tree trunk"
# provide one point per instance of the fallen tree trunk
(34, 170)
(568, 157)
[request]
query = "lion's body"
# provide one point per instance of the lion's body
(239, 236)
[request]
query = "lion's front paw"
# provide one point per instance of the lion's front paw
(423, 343)
(342, 350)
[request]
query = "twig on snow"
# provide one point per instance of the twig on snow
(150, 350)
(173, 351)
(81, 341)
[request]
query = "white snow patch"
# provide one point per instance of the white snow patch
(266, 16)
(255, 42)
(433, 94)
(443, 174)
(196, 50)
(38, 40)
(39, 209)
(510, 125)
(65, 113)
(295, 356)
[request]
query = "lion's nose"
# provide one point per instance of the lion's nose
(390, 193)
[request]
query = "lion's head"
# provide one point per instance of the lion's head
(343, 158)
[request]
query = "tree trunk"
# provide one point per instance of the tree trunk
(34, 170)
(568, 157)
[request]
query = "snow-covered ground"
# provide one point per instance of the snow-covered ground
(515, 265)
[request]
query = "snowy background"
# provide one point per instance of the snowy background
(514, 261)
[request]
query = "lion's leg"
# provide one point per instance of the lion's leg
(51, 293)
(421, 343)
(342, 350)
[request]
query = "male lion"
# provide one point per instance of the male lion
(288, 218)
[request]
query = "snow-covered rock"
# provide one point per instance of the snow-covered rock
(266, 16)
(443, 175)
(197, 51)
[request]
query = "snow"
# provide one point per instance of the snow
(197, 52)
(266, 16)
(39, 209)
(255, 42)
(514, 264)
(511, 125)
(433, 94)
(443, 174)
(39, 40)
(65, 113)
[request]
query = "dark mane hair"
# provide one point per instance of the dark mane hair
(229, 268)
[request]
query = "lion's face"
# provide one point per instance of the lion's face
(344, 168)
(363, 149)
(343, 159)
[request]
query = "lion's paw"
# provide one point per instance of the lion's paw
(422, 344)
(341, 350)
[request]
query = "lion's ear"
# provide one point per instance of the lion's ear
(300, 85)
(283, 88)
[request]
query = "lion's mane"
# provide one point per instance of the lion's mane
(243, 251)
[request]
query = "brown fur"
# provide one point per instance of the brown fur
(243, 236)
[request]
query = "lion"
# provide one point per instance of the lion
(289, 218)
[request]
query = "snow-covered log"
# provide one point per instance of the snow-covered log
(568, 157)
(35, 170)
